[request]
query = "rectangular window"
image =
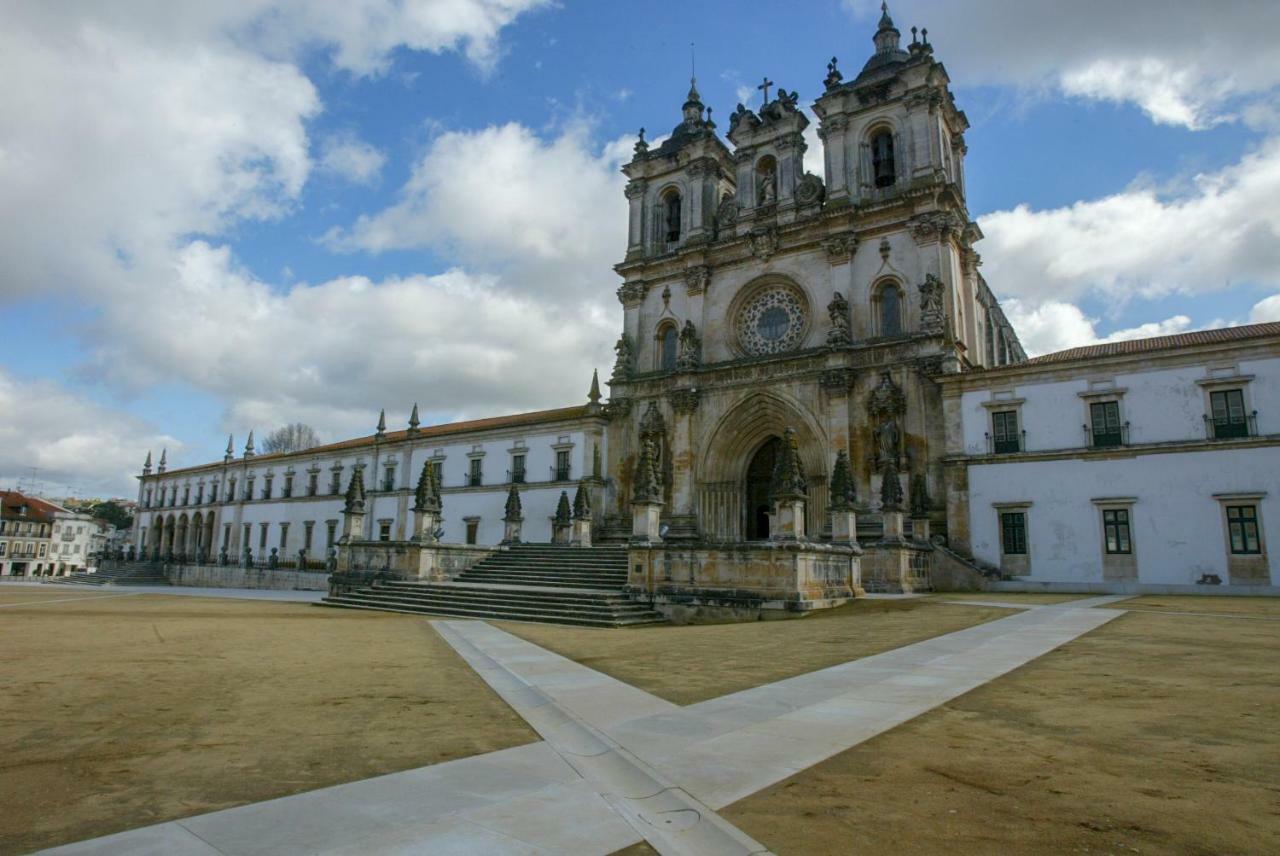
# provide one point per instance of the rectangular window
(44, 548)
(1115, 525)
(562, 465)
(335, 483)
(475, 476)
(1004, 431)
(1104, 417)
(389, 479)
(308, 528)
(517, 469)
(384, 530)
(473, 531)
(248, 489)
(313, 484)
(186, 496)
(226, 536)
(199, 494)
(1228, 414)
(213, 492)
(146, 502)
(4, 545)
(262, 535)
(1242, 525)
(284, 537)
(1013, 533)
(248, 533)
(266, 487)
(331, 533)
(288, 487)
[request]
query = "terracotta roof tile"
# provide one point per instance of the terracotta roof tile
(37, 509)
(1160, 343)
(516, 420)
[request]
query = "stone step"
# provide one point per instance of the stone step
(530, 594)
(349, 602)
(504, 606)
(548, 582)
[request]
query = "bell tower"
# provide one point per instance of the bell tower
(893, 126)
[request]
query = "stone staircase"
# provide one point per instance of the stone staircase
(128, 574)
(527, 582)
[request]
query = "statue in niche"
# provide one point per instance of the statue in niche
(838, 311)
(622, 366)
(888, 442)
(690, 348)
(767, 183)
(932, 315)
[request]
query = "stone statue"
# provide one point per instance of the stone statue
(331, 561)
(302, 559)
(690, 348)
(932, 315)
(273, 561)
(622, 365)
(888, 441)
(248, 557)
(222, 557)
(838, 311)
(767, 186)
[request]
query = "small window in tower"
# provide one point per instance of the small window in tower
(670, 341)
(890, 314)
(671, 209)
(882, 165)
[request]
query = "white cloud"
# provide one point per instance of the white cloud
(70, 441)
(503, 196)
(351, 158)
(1055, 325)
(1267, 309)
(1192, 64)
(1212, 232)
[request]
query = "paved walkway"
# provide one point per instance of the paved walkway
(617, 764)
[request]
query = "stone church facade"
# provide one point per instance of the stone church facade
(758, 297)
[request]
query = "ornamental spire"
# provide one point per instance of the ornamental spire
(426, 497)
(843, 492)
(563, 515)
(887, 35)
(414, 422)
(382, 424)
(229, 455)
(788, 476)
(248, 447)
(890, 489)
(593, 395)
(355, 493)
(581, 503)
(146, 465)
(164, 455)
(512, 511)
(648, 484)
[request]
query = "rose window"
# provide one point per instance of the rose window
(772, 322)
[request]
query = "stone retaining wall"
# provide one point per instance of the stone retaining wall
(217, 576)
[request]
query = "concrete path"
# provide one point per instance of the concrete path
(617, 764)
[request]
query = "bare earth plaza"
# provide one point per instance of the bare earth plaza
(825, 564)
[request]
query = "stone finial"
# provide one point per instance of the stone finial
(425, 496)
(355, 493)
(563, 514)
(648, 483)
(788, 476)
(593, 395)
(581, 502)
(164, 455)
(248, 446)
(414, 422)
(890, 489)
(382, 424)
(833, 74)
(843, 492)
(512, 511)
(919, 496)
(146, 465)
(230, 454)
(642, 145)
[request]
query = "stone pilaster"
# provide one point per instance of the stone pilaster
(682, 521)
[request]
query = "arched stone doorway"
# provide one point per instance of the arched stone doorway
(727, 460)
(759, 474)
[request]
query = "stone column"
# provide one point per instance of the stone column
(683, 520)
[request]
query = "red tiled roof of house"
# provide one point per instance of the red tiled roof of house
(38, 509)
(1160, 343)
(536, 417)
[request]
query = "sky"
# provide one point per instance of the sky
(223, 217)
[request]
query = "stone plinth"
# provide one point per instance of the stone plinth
(897, 567)
(409, 560)
(511, 530)
(645, 520)
(844, 527)
(743, 582)
(580, 533)
(788, 520)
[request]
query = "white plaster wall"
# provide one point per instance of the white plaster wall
(1176, 523)
(1160, 405)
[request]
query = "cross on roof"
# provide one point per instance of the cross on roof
(765, 86)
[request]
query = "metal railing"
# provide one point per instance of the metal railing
(516, 476)
(1106, 438)
(560, 474)
(1006, 444)
(1230, 428)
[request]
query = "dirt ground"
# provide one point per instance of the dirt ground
(1216, 604)
(124, 711)
(693, 663)
(1155, 734)
(1028, 598)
